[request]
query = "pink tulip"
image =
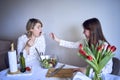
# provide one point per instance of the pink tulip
(108, 48)
(89, 58)
(80, 46)
(113, 48)
(100, 48)
(82, 52)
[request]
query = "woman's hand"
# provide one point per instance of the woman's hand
(29, 43)
(54, 37)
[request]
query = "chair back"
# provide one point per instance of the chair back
(116, 66)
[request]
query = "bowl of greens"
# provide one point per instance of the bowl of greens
(48, 62)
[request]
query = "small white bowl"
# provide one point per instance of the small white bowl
(45, 57)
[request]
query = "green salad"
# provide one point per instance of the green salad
(48, 63)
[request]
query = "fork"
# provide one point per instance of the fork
(39, 53)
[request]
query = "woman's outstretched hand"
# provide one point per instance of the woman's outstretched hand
(54, 37)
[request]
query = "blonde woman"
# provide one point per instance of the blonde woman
(32, 40)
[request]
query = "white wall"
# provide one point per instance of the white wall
(64, 18)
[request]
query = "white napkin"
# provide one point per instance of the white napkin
(80, 76)
(111, 77)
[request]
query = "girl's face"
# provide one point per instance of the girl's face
(87, 33)
(37, 30)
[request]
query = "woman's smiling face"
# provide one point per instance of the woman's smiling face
(87, 33)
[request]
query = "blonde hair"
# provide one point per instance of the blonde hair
(30, 25)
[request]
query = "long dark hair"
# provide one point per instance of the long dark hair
(96, 34)
(30, 25)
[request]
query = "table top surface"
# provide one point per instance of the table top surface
(38, 73)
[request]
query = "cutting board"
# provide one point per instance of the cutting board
(63, 73)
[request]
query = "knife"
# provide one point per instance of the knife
(56, 70)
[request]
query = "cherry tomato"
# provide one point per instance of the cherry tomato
(28, 69)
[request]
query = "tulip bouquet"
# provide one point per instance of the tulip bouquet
(97, 57)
